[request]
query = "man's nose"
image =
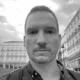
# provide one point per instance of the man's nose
(41, 40)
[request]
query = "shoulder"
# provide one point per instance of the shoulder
(17, 74)
(4, 77)
(74, 74)
(12, 75)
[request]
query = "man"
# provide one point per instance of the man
(42, 41)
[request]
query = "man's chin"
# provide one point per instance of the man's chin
(41, 59)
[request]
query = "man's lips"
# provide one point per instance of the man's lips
(41, 50)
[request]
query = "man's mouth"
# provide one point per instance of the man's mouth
(41, 50)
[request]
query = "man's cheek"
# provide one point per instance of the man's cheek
(29, 44)
(55, 43)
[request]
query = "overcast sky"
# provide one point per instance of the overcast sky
(14, 12)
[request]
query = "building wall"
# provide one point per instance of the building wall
(13, 54)
(71, 42)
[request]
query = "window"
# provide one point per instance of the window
(7, 66)
(11, 66)
(79, 61)
(75, 31)
(1, 56)
(15, 67)
(78, 27)
(1, 65)
(79, 15)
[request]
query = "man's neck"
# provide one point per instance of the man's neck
(47, 70)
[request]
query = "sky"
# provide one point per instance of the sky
(14, 12)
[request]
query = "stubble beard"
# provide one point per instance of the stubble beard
(37, 61)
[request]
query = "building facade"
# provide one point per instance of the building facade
(71, 43)
(13, 54)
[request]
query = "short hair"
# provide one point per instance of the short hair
(41, 8)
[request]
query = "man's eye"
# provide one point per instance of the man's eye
(49, 31)
(33, 32)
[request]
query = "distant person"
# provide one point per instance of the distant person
(42, 41)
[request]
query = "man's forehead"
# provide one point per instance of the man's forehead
(41, 17)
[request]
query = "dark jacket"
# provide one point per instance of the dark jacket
(27, 72)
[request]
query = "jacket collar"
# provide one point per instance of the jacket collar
(64, 73)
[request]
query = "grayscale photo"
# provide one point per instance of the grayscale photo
(39, 39)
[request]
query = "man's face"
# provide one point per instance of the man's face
(41, 39)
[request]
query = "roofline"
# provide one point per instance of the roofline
(72, 19)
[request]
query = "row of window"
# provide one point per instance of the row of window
(73, 28)
(12, 49)
(11, 66)
(74, 51)
(73, 33)
(72, 64)
(15, 56)
(73, 39)
(14, 59)
(74, 42)
(13, 44)
(73, 23)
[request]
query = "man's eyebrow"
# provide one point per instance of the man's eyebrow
(29, 29)
(51, 27)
